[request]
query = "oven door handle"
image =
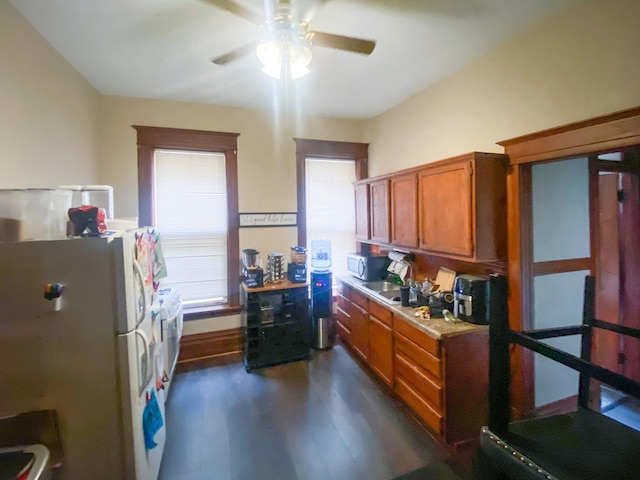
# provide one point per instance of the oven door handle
(361, 268)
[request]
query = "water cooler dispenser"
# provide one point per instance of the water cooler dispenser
(321, 295)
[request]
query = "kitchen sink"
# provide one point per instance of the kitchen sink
(382, 286)
(387, 291)
(392, 295)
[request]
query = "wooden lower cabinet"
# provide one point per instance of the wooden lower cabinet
(414, 399)
(444, 381)
(343, 318)
(360, 331)
(381, 350)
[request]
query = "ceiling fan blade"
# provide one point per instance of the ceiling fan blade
(341, 42)
(238, 10)
(235, 54)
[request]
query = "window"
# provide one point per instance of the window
(325, 173)
(331, 207)
(187, 188)
(190, 205)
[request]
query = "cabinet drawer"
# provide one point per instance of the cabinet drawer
(431, 391)
(422, 408)
(343, 331)
(430, 363)
(343, 303)
(429, 343)
(359, 299)
(344, 318)
(378, 311)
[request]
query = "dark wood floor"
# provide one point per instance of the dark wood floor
(319, 419)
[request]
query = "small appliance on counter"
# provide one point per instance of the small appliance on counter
(469, 298)
(297, 268)
(251, 269)
(367, 267)
(275, 268)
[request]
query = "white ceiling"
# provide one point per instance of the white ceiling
(162, 48)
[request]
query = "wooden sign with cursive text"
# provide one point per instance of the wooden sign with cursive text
(277, 219)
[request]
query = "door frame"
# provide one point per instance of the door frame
(615, 131)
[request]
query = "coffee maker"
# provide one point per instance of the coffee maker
(469, 298)
(297, 268)
(251, 269)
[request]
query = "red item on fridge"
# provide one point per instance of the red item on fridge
(86, 220)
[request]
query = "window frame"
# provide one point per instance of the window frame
(150, 139)
(326, 150)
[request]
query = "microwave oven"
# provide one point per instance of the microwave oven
(367, 267)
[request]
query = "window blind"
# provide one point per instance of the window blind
(331, 206)
(190, 205)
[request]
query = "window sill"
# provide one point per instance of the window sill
(211, 312)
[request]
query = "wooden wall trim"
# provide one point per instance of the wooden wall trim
(519, 292)
(332, 149)
(151, 138)
(614, 131)
(305, 147)
(162, 137)
(562, 266)
(211, 344)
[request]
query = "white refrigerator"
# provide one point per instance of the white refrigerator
(89, 354)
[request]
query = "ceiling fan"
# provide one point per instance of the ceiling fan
(285, 46)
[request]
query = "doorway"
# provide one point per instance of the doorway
(618, 263)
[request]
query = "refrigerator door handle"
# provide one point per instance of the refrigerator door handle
(144, 377)
(140, 277)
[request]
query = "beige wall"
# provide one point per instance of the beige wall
(48, 112)
(266, 161)
(579, 65)
(573, 67)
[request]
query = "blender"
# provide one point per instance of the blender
(251, 269)
(297, 268)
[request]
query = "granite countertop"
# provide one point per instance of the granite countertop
(436, 327)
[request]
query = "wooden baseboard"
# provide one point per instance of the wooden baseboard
(563, 405)
(211, 344)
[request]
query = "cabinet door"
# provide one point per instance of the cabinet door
(381, 349)
(446, 209)
(360, 331)
(379, 201)
(362, 211)
(404, 210)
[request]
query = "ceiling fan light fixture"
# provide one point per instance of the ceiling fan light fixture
(296, 56)
(269, 52)
(272, 70)
(298, 71)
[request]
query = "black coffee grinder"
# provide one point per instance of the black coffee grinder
(251, 269)
(297, 268)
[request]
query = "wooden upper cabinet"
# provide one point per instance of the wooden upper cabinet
(446, 209)
(462, 207)
(362, 211)
(379, 210)
(404, 210)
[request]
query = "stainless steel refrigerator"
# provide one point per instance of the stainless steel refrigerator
(77, 337)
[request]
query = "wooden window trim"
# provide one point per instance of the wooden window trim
(358, 152)
(152, 138)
